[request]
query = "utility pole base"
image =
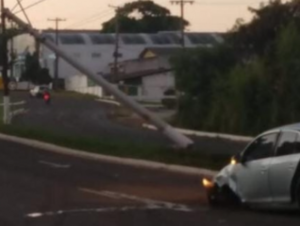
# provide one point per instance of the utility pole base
(6, 110)
(181, 141)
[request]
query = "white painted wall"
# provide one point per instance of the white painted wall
(24, 86)
(83, 53)
(23, 42)
(79, 83)
(153, 87)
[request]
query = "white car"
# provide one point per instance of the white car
(266, 172)
(38, 91)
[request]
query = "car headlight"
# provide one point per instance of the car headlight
(233, 161)
(207, 183)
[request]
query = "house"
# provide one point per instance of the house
(96, 50)
(150, 76)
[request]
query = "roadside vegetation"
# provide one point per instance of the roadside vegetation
(249, 83)
(73, 94)
(115, 146)
(120, 148)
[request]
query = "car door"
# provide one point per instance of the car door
(252, 174)
(283, 166)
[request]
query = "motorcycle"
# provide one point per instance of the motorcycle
(47, 98)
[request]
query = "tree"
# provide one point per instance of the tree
(286, 70)
(11, 33)
(259, 34)
(196, 72)
(32, 68)
(251, 82)
(34, 72)
(144, 17)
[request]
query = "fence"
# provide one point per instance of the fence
(13, 112)
(81, 84)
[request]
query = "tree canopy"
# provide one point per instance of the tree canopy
(34, 72)
(255, 37)
(249, 83)
(11, 32)
(143, 17)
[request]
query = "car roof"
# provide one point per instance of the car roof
(295, 126)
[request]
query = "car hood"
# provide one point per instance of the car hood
(226, 177)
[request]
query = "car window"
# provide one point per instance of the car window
(297, 144)
(262, 147)
(286, 144)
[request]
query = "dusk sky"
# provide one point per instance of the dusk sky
(204, 15)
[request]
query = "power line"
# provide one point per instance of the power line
(94, 16)
(15, 6)
(90, 19)
(229, 3)
(30, 6)
(226, 2)
(24, 12)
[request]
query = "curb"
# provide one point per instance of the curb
(206, 134)
(107, 101)
(111, 159)
(113, 102)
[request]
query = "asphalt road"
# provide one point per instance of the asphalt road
(87, 117)
(39, 188)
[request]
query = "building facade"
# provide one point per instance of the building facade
(96, 50)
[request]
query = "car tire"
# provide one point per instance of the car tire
(297, 193)
(223, 197)
(213, 201)
(231, 198)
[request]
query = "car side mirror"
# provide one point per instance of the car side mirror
(237, 159)
(243, 160)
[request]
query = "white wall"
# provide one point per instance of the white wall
(21, 42)
(24, 86)
(153, 87)
(84, 55)
(79, 83)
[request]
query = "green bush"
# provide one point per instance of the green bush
(225, 92)
(169, 102)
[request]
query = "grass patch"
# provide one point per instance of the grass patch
(121, 148)
(73, 94)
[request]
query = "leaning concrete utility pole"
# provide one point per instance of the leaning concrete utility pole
(178, 138)
(4, 56)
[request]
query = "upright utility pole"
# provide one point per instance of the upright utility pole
(12, 53)
(56, 62)
(182, 4)
(4, 56)
(117, 45)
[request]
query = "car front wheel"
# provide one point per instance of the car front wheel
(222, 197)
(297, 194)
